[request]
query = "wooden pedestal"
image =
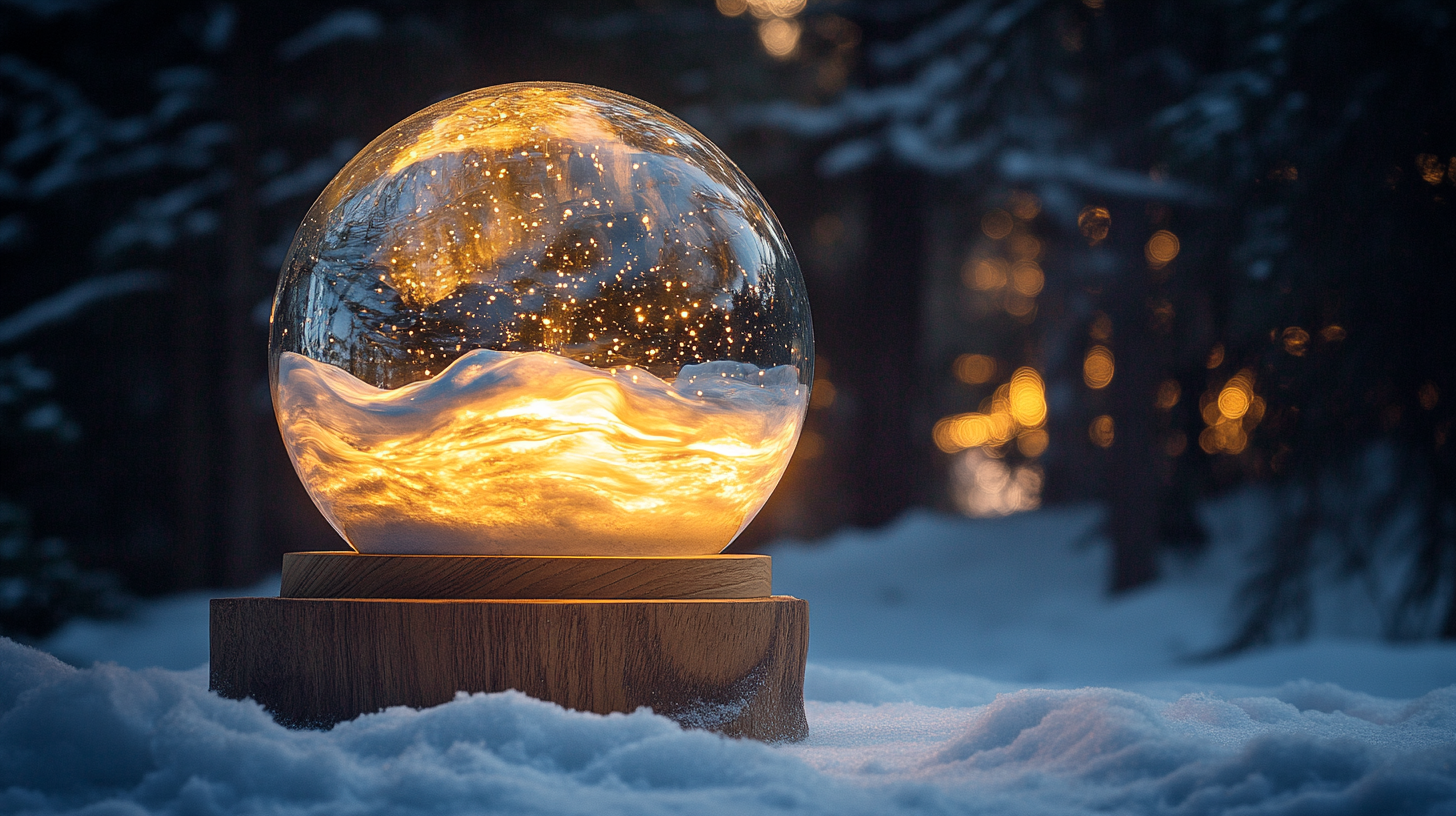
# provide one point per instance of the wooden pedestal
(592, 634)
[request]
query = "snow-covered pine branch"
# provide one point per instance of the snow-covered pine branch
(70, 301)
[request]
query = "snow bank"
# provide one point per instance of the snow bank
(1020, 600)
(110, 740)
(925, 637)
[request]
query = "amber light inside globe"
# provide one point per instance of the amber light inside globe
(541, 319)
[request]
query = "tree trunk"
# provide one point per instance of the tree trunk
(888, 463)
(192, 375)
(244, 354)
(1133, 486)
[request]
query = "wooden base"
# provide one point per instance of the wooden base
(524, 577)
(735, 665)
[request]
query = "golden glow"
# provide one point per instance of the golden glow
(996, 224)
(983, 485)
(780, 37)
(986, 274)
(731, 8)
(1024, 205)
(501, 123)
(1098, 367)
(1101, 328)
(1017, 406)
(1236, 397)
(811, 446)
(766, 9)
(1027, 278)
(824, 394)
(1332, 334)
(1285, 172)
(1296, 341)
(1101, 431)
(1433, 170)
(974, 369)
(1025, 247)
(1169, 392)
(1020, 307)
(1215, 356)
(1230, 415)
(1095, 223)
(1032, 443)
(1161, 249)
(535, 454)
(1028, 398)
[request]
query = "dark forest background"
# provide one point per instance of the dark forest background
(1220, 234)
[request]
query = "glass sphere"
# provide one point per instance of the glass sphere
(540, 319)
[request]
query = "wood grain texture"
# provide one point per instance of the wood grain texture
(352, 575)
(731, 666)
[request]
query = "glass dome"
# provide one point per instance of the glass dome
(540, 319)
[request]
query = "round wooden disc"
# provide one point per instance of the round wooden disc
(524, 577)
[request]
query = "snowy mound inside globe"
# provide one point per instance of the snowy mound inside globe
(535, 454)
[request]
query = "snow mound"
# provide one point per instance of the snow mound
(110, 740)
(1020, 599)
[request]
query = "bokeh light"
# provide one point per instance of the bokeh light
(1033, 443)
(1230, 413)
(1024, 247)
(1098, 367)
(1237, 395)
(974, 369)
(1433, 170)
(985, 486)
(1023, 205)
(1028, 398)
(997, 224)
(1169, 392)
(1095, 223)
(1027, 278)
(1215, 357)
(1101, 431)
(1161, 249)
(1015, 407)
(987, 274)
(1296, 341)
(780, 37)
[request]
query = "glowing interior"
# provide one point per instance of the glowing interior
(536, 454)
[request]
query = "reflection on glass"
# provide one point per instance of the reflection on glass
(541, 318)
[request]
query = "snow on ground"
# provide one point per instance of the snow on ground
(956, 667)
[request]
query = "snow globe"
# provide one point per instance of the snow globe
(540, 319)
(538, 353)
